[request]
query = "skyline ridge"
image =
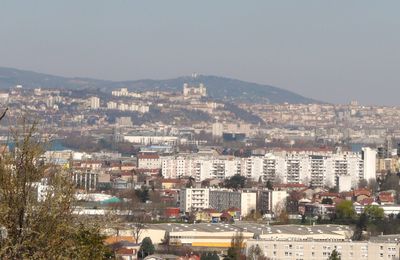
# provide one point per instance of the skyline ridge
(243, 90)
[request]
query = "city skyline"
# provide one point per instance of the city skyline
(334, 52)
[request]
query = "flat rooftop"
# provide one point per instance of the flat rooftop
(255, 228)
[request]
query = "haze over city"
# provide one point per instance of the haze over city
(333, 51)
(199, 130)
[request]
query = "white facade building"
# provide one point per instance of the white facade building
(94, 102)
(194, 91)
(151, 139)
(192, 199)
(311, 168)
(369, 159)
(148, 161)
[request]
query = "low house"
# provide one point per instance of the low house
(361, 194)
(208, 215)
(385, 198)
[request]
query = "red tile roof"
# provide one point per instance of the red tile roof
(328, 194)
(125, 251)
(386, 197)
(365, 192)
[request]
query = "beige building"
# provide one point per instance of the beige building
(384, 247)
(218, 236)
(148, 161)
(194, 92)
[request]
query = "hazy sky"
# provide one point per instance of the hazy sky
(335, 51)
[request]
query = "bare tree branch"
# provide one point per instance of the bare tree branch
(4, 113)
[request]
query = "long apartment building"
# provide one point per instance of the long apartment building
(194, 199)
(311, 168)
(321, 246)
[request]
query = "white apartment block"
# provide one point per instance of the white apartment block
(369, 163)
(311, 168)
(148, 161)
(94, 102)
(271, 201)
(112, 105)
(193, 199)
(123, 92)
(151, 139)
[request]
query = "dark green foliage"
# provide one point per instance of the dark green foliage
(209, 256)
(143, 194)
(243, 114)
(191, 182)
(334, 255)
(236, 182)
(90, 243)
(375, 225)
(327, 201)
(146, 248)
(391, 182)
(361, 226)
(269, 185)
(345, 210)
(374, 212)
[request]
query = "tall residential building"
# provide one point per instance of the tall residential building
(317, 169)
(148, 161)
(94, 102)
(369, 159)
(246, 201)
(271, 201)
(193, 199)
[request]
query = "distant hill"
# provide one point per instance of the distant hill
(217, 87)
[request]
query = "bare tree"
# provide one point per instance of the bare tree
(255, 253)
(36, 212)
(4, 113)
(138, 227)
(235, 251)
